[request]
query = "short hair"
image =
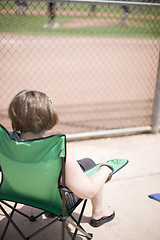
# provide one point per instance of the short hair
(32, 111)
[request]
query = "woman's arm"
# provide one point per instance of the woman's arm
(80, 184)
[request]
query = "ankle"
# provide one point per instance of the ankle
(101, 212)
(97, 213)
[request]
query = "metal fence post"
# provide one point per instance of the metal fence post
(156, 105)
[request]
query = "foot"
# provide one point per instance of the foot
(56, 25)
(101, 217)
(97, 214)
(102, 220)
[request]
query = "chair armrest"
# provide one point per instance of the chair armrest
(93, 170)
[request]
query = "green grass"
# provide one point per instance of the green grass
(33, 25)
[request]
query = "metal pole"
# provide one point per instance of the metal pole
(103, 2)
(112, 2)
(108, 133)
(156, 105)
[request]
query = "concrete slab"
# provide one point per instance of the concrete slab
(137, 216)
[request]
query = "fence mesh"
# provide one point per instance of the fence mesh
(97, 61)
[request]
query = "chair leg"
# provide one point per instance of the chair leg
(63, 230)
(8, 222)
(79, 220)
(16, 210)
(32, 218)
(78, 226)
(12, 222)
(42, 228)
(87, 235)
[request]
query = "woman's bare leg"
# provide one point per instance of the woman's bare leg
(99, 208)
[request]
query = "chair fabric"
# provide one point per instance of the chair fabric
(31, 171)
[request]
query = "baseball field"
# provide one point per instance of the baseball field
(97, 73)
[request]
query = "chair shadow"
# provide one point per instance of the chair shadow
(85, 219)
(27, 227)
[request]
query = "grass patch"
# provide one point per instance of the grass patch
(33, 25)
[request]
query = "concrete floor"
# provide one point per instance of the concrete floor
(137, 216)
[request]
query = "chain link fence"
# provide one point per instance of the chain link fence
(97, 60)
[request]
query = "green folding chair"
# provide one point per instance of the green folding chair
(33, 174)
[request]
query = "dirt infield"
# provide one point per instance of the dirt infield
(84, 14)
(76, 23)
(95, 83)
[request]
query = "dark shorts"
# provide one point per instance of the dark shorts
(85, 164)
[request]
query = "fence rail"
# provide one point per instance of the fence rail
(130, 3)
(117, 2)
(97, 60)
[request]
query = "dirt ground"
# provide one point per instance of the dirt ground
(95, 83)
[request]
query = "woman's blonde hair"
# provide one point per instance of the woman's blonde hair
(32, 111)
